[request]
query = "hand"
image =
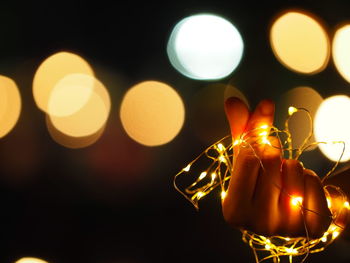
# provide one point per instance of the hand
(260, 197)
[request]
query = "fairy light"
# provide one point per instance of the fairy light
(237, 142)
(187, 168)
(292, 110)
(221, 153)
(264, 133)
(335, 234)
(296, 201)
(222, 159)
(200, 194)
(223, 195)
(264, 140)
(202, 175)
(221, 147)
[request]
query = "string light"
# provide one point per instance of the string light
(220, 155)
(297, 201)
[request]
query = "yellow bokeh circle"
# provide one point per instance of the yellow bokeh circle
(152, 113)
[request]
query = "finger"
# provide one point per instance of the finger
(262, 115)
(238, 201)
(237, 114)
(266, 194)
(317, 214)
(291, 198)
(336, 203)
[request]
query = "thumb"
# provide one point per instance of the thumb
(237, 114)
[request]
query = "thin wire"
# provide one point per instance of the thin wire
(222, 152)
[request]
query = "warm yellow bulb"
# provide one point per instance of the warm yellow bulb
(329, 203)
(202, 175)
(187, 168)
(221, 147)
(236, 142)
(292, 110)
(264, 133)
(222, 159)
(264, 140)
(335, 234)
(223, 195)
(267, 246)
(347, 205)
(200, 194)
(298, 200)
(291, 250)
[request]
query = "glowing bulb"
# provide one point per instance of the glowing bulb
(332, 228)
(264, 140)
(329, 203)
(222, 159)
(265, 126)
(297, 201)
(324, 239)
(205, 46)
(221, 147)
(236, 142)
(335, 234)
(223, 195)
(287, 239)
(202, 175)
(200, 195)
(187, 168)
(263, 133)
(213, 176)
(292, 110)
(267, 246)
(291, 250)
(347, 205)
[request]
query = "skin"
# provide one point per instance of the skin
(259, 198)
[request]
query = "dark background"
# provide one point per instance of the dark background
(114, 201)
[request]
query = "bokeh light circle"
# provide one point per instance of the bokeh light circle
(30, 260)
(205, 47)
(331, 124)
(90, 118)
(152, 113)
(300, 43)
(341, 51)
(52, 70)
(10, 105)
(70, 141)
(70, 94)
